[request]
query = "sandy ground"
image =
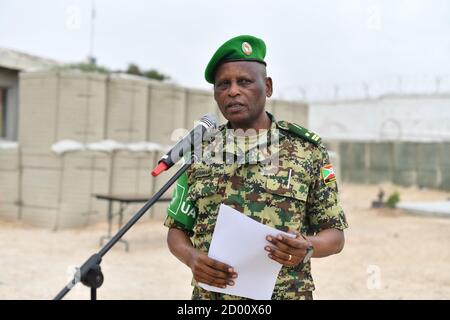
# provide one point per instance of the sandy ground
(388, 255)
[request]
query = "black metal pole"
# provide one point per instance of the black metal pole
(92, 265)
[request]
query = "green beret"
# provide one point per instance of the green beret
(240, 48)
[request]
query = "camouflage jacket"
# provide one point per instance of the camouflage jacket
(290, 187)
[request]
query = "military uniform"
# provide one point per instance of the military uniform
(297, 192)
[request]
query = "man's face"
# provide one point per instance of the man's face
(240, 90)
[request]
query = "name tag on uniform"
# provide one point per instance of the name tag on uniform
(202, 173)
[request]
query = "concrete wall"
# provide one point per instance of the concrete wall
(292, 111)
(127, 109)
(445, 166)
(10, 193)
(56, 106)
(130, 174)
(403, 139)
(403, 163)
(57, 189)
(390, 118)
(167, 112)
(198, 103)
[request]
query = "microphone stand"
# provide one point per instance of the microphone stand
(90, 273)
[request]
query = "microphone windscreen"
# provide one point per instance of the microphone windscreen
(210, 121)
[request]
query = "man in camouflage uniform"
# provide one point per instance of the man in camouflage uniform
(280, 176)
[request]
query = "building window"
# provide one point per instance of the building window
(3, 112)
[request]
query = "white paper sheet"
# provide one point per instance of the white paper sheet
(239, 241)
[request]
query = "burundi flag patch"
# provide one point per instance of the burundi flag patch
(328, 175)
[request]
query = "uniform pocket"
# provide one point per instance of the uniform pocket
(281, 186)
(286, 202)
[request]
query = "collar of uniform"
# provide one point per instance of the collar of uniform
(273, 123)
(263, 152)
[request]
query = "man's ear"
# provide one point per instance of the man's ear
(269, 87)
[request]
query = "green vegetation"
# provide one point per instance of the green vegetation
(151, 74)
(393, 199)
(87, 67)
(133, 69)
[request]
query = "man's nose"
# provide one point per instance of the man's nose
(233, 91)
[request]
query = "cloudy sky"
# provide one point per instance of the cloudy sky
(308, 42)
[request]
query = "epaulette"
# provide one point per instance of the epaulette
(299, 131)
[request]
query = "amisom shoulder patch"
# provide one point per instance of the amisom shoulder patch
(180, 209)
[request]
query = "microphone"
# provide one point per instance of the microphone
(193, 139)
